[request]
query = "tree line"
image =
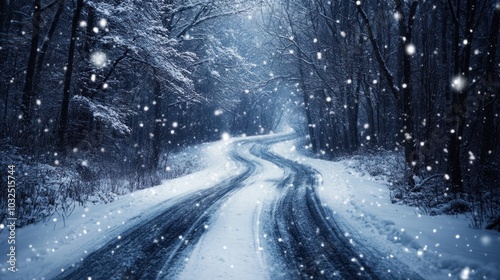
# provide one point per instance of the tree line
(96, 94)
(421, 77)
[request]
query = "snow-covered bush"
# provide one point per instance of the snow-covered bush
(180, 162)
(46, 191)
(41, 189)
(428, 192)
(385, 166)
(431, 192)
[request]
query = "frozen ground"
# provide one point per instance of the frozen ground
(235, 239)
(47, 247)
(438, 247)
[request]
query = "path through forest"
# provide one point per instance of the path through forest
(289, 235)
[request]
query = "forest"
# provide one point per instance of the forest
(96, 95)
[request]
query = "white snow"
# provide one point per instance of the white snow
(45, 248)
(231, 248)
(98, 59)
(439, 247)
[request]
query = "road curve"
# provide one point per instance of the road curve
(305, 241)
(302, 238)
(156, 247)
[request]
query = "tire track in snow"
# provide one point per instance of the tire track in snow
(303, 239)
(157, 247)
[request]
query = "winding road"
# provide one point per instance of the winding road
(303, 239)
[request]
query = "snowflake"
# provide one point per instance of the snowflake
(98, 59)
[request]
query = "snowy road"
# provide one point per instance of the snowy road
(150, 250)
(307, 238)
(289, 233)
(255, 209)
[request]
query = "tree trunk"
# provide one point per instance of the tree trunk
(3, 14)
(459, 104)
(30, 70)
(5, 19)
(157, 123)
(88, 44)
(87, 128)
(302, 76)
(5, 24)
(352, 116)
(406, 46)
(45, 47)
(63, 121)
(307, 105)
(492, 88)
(444, 46)
(371, 119)
(402, 97)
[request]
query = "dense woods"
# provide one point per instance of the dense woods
(96, 94)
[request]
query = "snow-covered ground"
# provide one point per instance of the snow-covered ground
(439, 247)
(231, 249)
(44, 248)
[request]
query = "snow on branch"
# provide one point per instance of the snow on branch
(109, 116)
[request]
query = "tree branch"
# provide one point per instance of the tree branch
(110, 72)
(382, 64)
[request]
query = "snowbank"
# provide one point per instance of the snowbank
(437, 247)
(44, 248)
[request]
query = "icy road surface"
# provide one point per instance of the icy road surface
(260, 211)
(303, 239)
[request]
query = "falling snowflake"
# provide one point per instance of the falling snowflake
(459, 83)
(103, 23)
(464, 274)
(410, 49)
(397, 16)
(98, 59)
